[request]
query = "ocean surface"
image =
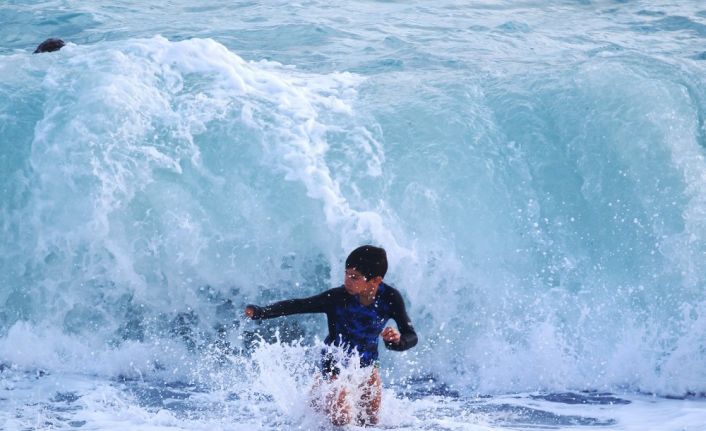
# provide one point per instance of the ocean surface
(535, 169)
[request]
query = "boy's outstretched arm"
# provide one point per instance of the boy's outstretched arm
(407, 337)
(314, 304)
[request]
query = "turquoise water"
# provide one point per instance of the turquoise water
(535, 171)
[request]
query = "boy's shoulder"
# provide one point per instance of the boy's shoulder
(335, 292)
(390, 292)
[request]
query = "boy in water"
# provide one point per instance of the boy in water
(357, 313)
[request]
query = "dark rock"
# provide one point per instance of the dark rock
(50, 45)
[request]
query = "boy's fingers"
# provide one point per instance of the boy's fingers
(390, 334)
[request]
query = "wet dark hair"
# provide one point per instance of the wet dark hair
(369, 260)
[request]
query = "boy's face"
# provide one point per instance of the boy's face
(355, 283)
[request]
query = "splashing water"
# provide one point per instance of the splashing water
(535, 172)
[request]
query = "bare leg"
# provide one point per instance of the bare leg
(370, 401)
(337, 407)
(335, 404)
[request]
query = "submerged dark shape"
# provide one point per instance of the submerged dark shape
(67, 397)
(185, 325)
(510, 414)
(586, 397)
(422, 386)
(50, 45)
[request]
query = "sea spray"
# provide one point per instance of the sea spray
(544, 223)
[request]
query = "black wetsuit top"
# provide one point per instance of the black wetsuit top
(352, 325)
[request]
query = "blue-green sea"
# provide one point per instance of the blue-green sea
(536, 171)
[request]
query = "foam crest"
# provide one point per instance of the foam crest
(120, 121)
(553, 219)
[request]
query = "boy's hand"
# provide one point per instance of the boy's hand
(249, 311)
(390, 335)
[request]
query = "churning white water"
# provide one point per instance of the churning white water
(535, 171)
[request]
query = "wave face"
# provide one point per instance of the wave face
(538, 182)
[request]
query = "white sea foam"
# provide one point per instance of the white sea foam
(543, 214)
(122, 123)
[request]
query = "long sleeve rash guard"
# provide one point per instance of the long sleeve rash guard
(352, 325)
